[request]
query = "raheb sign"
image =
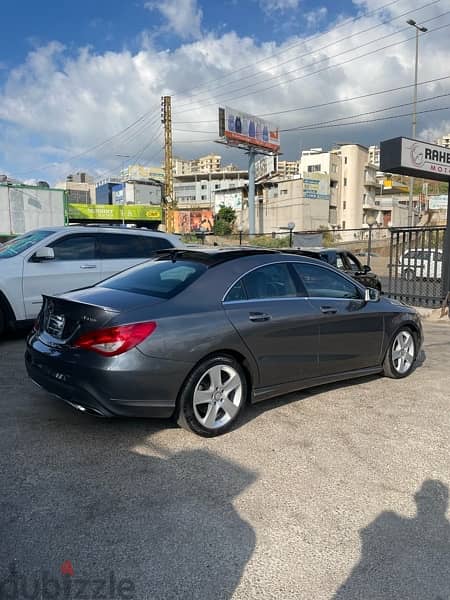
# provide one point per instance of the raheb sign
(415, 158)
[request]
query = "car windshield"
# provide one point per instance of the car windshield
(162, 278)
(23, 242)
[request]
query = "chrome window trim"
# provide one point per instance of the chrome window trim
(325, 266)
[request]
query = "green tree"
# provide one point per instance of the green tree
(224, 220)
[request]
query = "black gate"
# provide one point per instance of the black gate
(416, 265)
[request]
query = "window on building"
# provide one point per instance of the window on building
(345, 180)
(343, 224)
(345, 160)
(314, 168)
(204, 186)
(344, 205)
(203, 197)
(283, 192)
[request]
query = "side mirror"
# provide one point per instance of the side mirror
(43, 254)
(371, 295)
(366, 269)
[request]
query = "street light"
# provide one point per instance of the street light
(370, 220)
(418, 29)
(124, 157)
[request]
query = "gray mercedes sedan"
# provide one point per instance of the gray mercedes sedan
(195, 334)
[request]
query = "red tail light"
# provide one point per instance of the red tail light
(115, 340)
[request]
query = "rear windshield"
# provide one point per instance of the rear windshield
(23, 242)
(162, 278)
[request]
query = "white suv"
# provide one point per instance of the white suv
(54, 260)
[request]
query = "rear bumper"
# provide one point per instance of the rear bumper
(135, 386)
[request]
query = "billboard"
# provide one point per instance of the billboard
(266, 166)
(438, 202)
(108, 212)
(415, 158)
(229, 198)
(193, 221)
(23, 208)
(242, 129)
(316, 185)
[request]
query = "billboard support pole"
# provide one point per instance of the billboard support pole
(446, 254)
(251, 191)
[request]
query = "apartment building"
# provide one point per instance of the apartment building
(374, 155)
(80, 188)
(353, 182)
(142, 173)
(205, 164)
(444, 141)
(197, 190)
(287, 168)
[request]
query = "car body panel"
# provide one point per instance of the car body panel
(298, 347)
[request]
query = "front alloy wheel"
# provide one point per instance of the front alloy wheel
(213, 396)
(400, 357)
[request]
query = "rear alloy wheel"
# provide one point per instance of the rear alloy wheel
(213, 396)
(401, 355)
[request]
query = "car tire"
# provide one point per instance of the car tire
(213, 396)
(401, 354)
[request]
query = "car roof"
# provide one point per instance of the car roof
(215, 255)
(112, 229)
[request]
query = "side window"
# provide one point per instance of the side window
(339, 262)
(354, 264)
(236, 293)
(323, 283)
(117, 246)
(270, 281)
(74, 247)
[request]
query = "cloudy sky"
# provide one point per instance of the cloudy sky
(80, 82)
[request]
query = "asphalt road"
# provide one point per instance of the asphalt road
(335, 493)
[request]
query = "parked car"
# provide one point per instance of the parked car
(344, 261)
(195, 333)
(57, 259)
(421, 264)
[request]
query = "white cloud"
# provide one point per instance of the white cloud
(315, 17)
(273, 6)
(184, 17)
(56, 105)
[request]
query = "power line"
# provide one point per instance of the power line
(370, 53)
(314, 51)
(372, 112)
(324, 104)
(296, 44)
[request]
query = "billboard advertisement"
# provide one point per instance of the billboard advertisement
(193, 221)
(107, 212)
(438, 202)
(316, 185)
(229, 198)
(266, 166)
(242, 129)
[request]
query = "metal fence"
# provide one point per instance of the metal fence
(416, 265)
(407, 261)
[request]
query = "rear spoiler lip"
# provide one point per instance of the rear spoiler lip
(61, 297)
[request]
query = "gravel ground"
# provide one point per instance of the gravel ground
(334, 493)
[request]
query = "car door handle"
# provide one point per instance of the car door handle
(328, 310)
(258, 317)
(88, 266)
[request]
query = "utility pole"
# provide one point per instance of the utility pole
(168, 200)
(418, 29)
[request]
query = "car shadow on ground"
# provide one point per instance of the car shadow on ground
(105, 496)
(403, 557)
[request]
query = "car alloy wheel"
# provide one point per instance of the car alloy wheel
(217, 396)
(402, 352)
(213, 396)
